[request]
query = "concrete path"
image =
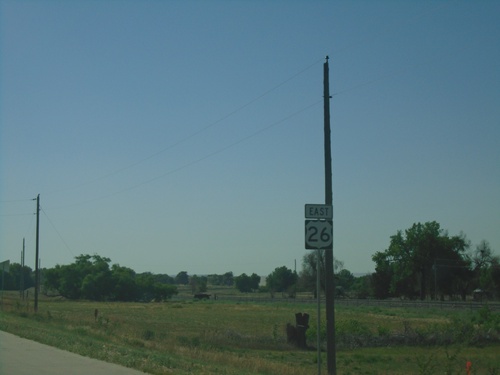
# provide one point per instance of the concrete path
(19, 356)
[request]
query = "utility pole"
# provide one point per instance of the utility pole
(37, 271)
(330, 286)
(21, 282)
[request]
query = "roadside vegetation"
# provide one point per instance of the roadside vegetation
(186, 336)
(228, 324)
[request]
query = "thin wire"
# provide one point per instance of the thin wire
(29, 228)
(59, 234)
(192, 135)
(191, 163)
(10, 215)
(16, 200)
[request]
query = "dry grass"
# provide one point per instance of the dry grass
(213, 337)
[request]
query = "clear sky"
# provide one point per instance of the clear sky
(188, 135)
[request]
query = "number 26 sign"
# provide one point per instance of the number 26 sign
(319, 234)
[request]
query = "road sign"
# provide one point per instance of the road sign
(319, 234)
(318, 211)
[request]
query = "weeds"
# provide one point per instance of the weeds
(230, 338)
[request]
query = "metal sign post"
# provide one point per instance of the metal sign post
(318, 235)
(318, 322)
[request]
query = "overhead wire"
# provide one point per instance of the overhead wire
(193, 134)
(58, 233)
(196, 161)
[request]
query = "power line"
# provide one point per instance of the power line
(196, 161)
(192, 135)
(16, 200)
(59, 234)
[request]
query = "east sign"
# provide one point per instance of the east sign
(318, 211)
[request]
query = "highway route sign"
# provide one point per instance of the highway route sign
(319, 234)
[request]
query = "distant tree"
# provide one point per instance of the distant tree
(228, 279)
(68, 279)
(242, 283)
(182, 278)
(98, 284)
(150, 290)
(255, 281)
(486, 268)
(307, 279)
(409, 266)
(91, 277)
(198, 284)
(281, 280)
(12, 278)
(344, 279)
(362, 287)
(164, 279)
(246, 284)
(125, 286)
(214, 279)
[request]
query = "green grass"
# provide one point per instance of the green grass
(216, 337)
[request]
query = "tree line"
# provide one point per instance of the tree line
(421, 262)
(425, 262)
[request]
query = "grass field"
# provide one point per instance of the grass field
(217, 337)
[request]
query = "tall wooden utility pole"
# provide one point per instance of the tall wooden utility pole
(37, 271)
(330, 287)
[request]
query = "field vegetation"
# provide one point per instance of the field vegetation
(184, 336)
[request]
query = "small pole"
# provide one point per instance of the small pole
(318, 295)
(37, 271)
(3, 280)
(21, 282)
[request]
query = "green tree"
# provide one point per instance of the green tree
(97, 285)
(151, 290)
(344, 279)
(307, 279)
(12, 278)
(182, 278)
(486, 269)
(281, 280)
(408, 267)
(255, 281)
(246, 284)
(362, 287)
(198, 284)
(91, 277)
(228, 279)
(125, 286)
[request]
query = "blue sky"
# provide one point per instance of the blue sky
(187, 135)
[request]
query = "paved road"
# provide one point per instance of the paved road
(19, 356)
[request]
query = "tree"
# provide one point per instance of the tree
(98, 284)
(245, 283)
(344, 279)
(409, 265)
(198, 284)
(182, 278)
(486, 269)
(150, 290)
(281, 280)
(92, 278)
(12, 279)
(307, 278)
(125, 286)
(362, 287)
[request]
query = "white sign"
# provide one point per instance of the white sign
(319, 211)
(319, 234)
